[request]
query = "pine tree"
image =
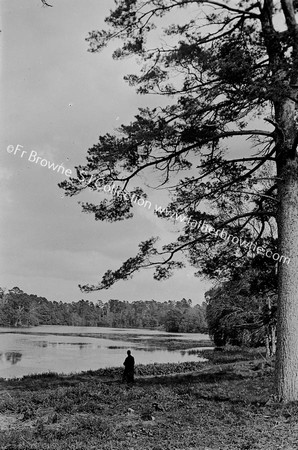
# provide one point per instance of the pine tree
(226, 67)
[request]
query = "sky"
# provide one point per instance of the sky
(57, 99)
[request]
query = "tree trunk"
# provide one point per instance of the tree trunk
(287, 317)
(284, 99)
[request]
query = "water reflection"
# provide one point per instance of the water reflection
(44, 344)
(66, 344)
(12, 357)
(69, 349)
(147, 349)
(80, 344)
(192, 352)
(41, 344)
(114, 347)
(133, 347)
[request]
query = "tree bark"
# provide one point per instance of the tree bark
(267, 342)
(287, 314)
(285, 100)
(273, 340)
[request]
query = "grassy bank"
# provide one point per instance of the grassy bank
(224, 404)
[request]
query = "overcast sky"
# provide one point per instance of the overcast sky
(56, 100)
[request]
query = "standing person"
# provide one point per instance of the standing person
(129, 364)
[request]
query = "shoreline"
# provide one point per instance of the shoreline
(225, 404)
(141, 370)
(110, 373)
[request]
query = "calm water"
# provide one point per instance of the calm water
(52, 348)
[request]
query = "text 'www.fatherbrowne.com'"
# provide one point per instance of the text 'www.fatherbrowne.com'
(201, 226)
(34, 158)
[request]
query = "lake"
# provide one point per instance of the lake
(66, 349)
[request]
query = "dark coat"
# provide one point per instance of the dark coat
(129, 363)
(128, 374)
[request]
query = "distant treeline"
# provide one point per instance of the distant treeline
(18, 309)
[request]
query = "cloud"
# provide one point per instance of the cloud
(48, 245)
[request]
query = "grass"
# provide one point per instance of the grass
(227, 404)
(231, 354)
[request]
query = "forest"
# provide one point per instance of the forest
(233, 313)
(18, 309)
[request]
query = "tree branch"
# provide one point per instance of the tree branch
(197, 144)
(46, 4)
